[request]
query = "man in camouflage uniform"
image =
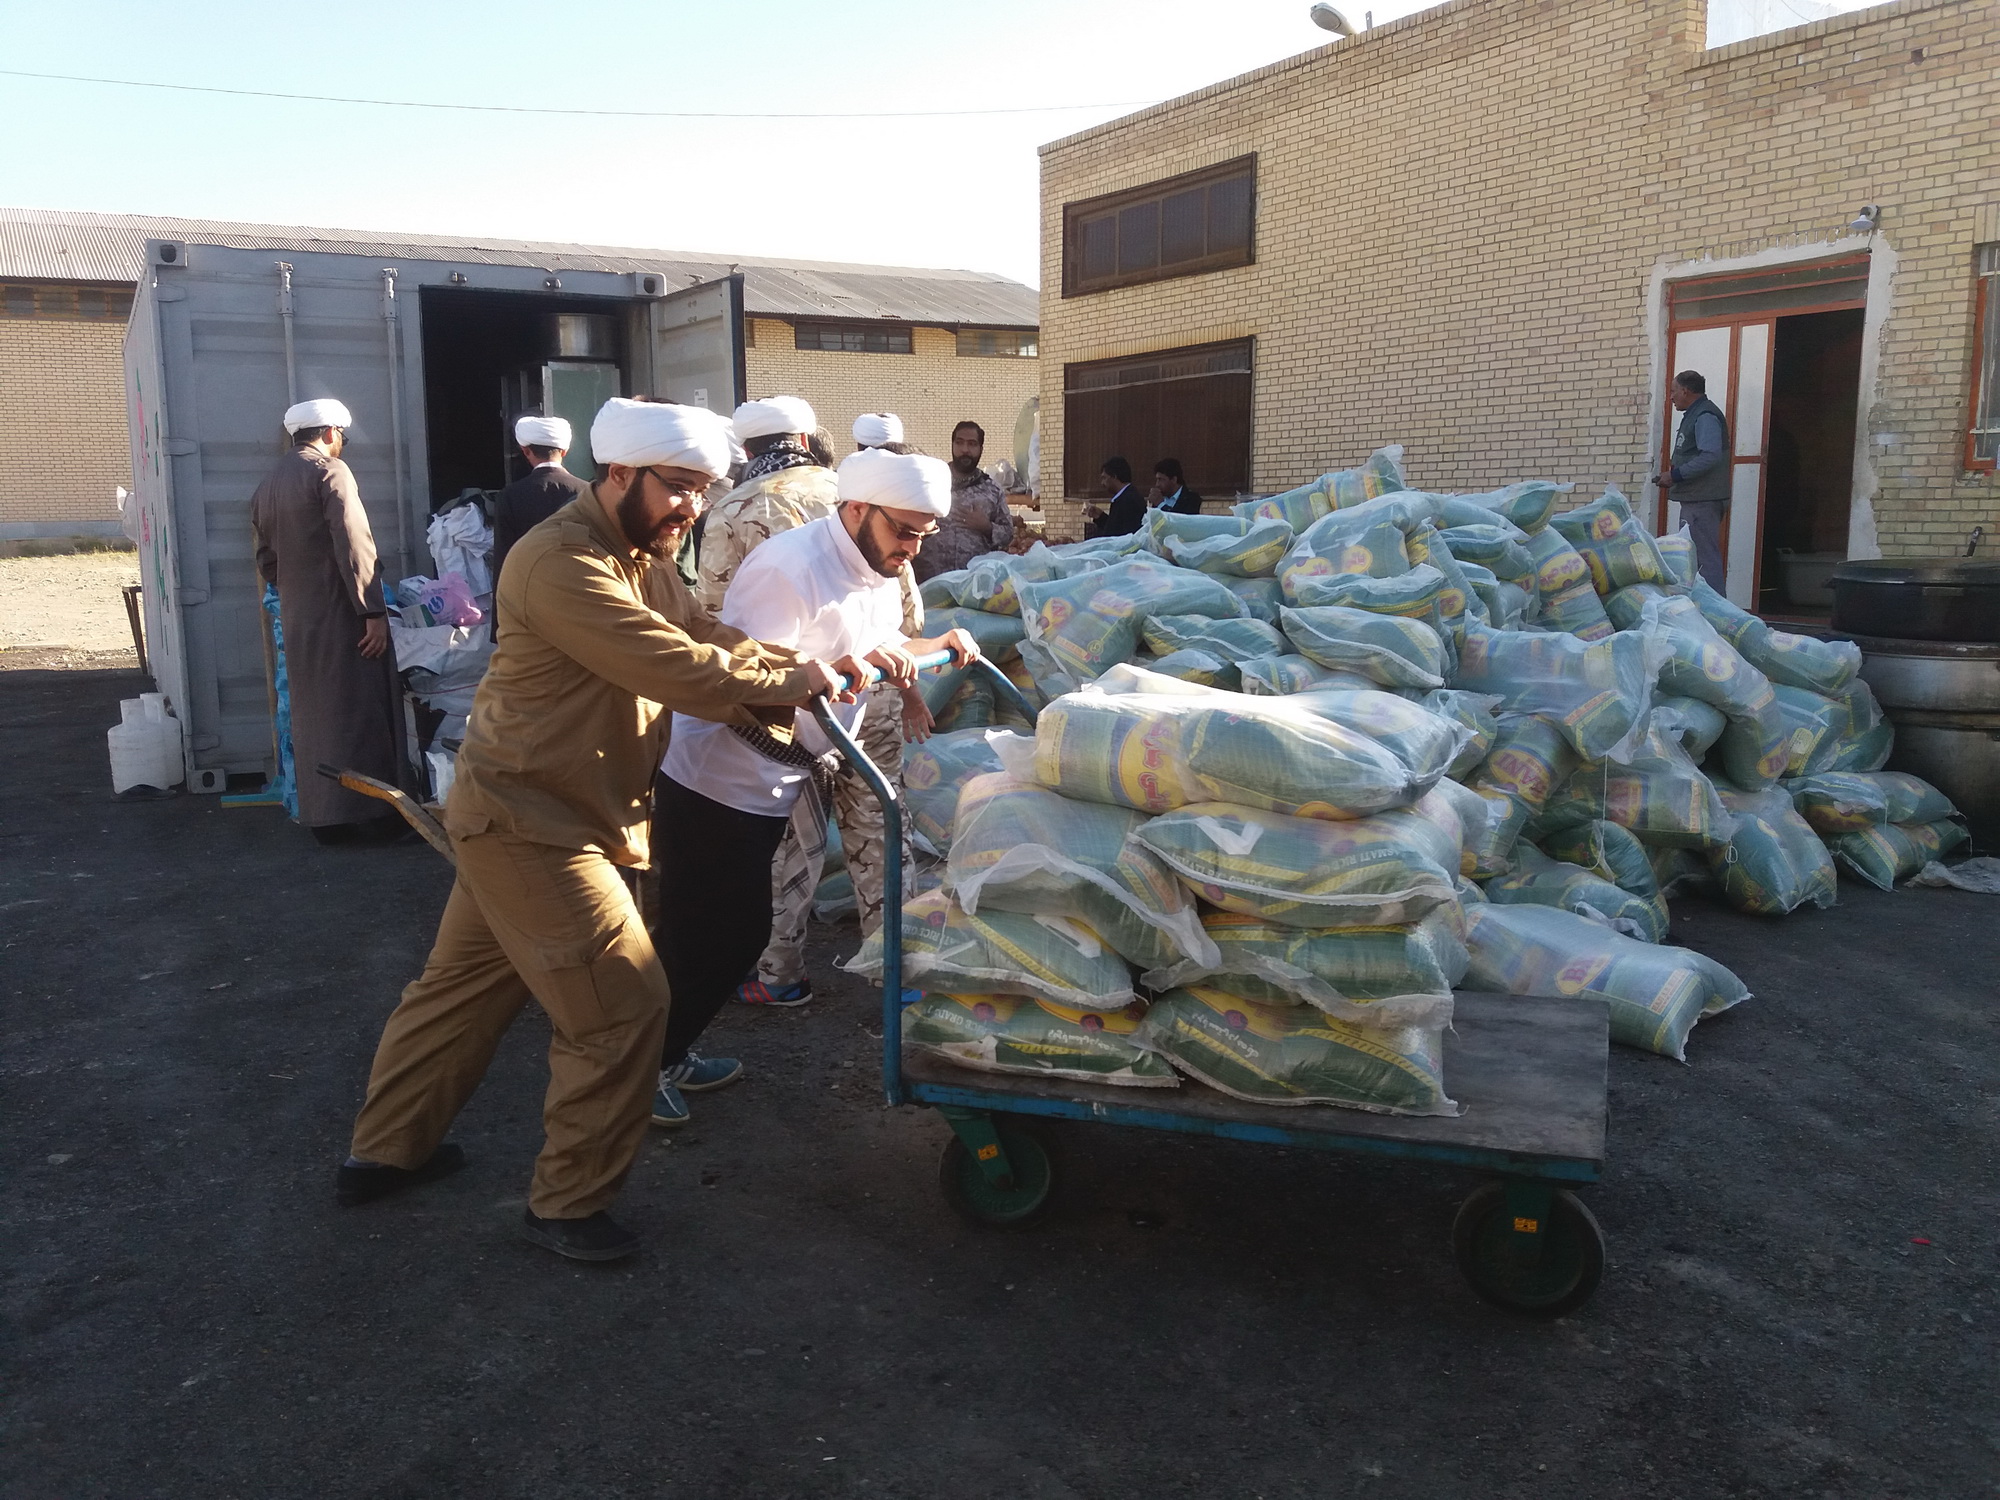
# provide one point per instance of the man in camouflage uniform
(784, 487)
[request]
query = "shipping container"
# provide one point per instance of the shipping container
(434, 359)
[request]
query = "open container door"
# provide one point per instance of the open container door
(694, 346)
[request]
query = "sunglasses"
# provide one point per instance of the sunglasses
(906, 533)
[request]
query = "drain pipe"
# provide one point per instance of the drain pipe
(285, 313)
(404, 551)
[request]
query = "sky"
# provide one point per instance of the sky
(934, 191)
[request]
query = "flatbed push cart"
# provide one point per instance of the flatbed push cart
(1529, 1071)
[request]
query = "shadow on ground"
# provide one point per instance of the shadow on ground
(1800, 1298)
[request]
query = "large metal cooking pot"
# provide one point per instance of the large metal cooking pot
(1918, 599)
(1944, 699)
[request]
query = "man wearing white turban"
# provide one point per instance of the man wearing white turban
(830, 589)
(314, 544)
(597, 639)
(877, 429)
(545, 489)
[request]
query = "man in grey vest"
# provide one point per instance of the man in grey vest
(1698, 481)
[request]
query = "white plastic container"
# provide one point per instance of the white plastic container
(146, 747)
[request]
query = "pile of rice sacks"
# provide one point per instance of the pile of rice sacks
(1300, 769)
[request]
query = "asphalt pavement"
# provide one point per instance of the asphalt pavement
(1800, 1298)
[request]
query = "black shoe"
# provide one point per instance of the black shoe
(365, 1184)
(594, 1238)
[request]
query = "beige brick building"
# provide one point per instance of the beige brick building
(936, 346)
(1492, 230)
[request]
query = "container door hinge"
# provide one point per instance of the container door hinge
(182, 447)
(191, 596)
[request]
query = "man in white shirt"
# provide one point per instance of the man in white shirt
(723, 799)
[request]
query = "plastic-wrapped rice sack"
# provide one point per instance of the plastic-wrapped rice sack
(1678, 552)
(990, 582)
(1538, 880)
(1162, 523)
(1656, 994)
(1596, 692)
(1618, 550)
(1660, 794)
(1861, 739)
(1010, 1034)
(1456, 601)
(958, 700)
(1414, 734)
(1506, 604)
(1309, 872)
(999, 636)
(1529, 760)
(1854, 801)
(1261, 598)
(1288, 1054)
(935, 772)
(1562, 582)
(1681, 872)
(1417, 594)
(1392, 650)
(1527, 505)
(1498, 546)
(1891, 852)
(1379, 474)
(1252, 553)
(1373, 976)
(1774, 862)
(940, 590)
(1809, 719)
(1297, 508)
(1277, 676)
(1091, 622)
(1627, 606)
(946, 947)
(1200, 667)
(1341, 545)
(1795, 660)
(1610, 851)
(1756, 746)
(1700, 724)
(1156, 752)
(1024, 849)
(1475, 712)
(1232, 640)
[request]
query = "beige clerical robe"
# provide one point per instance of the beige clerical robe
(314, 543)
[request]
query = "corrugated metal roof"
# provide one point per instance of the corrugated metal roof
(56, 245)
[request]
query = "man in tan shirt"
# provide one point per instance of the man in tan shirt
(598, 640)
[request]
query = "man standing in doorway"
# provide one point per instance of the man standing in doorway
(314, 544)
(979, 520)
(598, 637)
(828, 589)
(1698, 480)
(1128, 507)
(545, 489)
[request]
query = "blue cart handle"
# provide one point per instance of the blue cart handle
(892, 857)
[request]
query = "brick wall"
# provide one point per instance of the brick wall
(932, 389)
(1461, 214)
(63, 444)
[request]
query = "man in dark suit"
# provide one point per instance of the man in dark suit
(1128, 506)
(545, 489)
(1170, 491)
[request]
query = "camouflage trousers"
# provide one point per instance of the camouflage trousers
(795, 870)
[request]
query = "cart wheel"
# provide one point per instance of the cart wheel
(1560, 1281)
(968, 1190)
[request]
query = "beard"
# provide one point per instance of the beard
(875, 552)
(967, 464)
(664, 540)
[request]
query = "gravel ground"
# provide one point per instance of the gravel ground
(68, 601)
(1800, 1299)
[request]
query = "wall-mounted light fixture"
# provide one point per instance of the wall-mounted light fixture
(1326, 18)
(1868, 220)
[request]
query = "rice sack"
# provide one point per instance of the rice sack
(1279, 676)
(1656, 994)
(940, 590)
(1835, 802)
(1678, 551)
(1475, 712)
(1596, 693)
(1894, 851)
(1196, 667)
(1569, 601)
(934, 772)
(1024, 849)
(1309, 872)
(1011, 1034)
(1529, 760)
(1660, 795)
(1755, 748)
(1231, 640)
(999, 636)
(1527, 505)
(1002, 953)
(1861, 739)
(1088, 623)
(1618, 550)
(1795, 660)
(1391, 650)
(1252, 552)
(1260, 597)
(1809, 719)
(1538, 880)
(1607, 849)
(1773, 863)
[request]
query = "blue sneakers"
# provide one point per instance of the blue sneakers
(753, 991)
(693, 1074)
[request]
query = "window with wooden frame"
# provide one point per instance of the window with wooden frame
(1192, 404)
(1982, 432)
(93, 304)
(1182, 226)
(851, 338)
(997, 343)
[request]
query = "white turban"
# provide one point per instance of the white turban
(901, 481)
(642, 433)
(756, 419)
(324, 412)
(874, 428)
(543, 432)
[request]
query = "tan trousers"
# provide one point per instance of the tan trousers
(558, 924)
(795, 874)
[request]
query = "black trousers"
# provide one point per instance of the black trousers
(715, 904)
